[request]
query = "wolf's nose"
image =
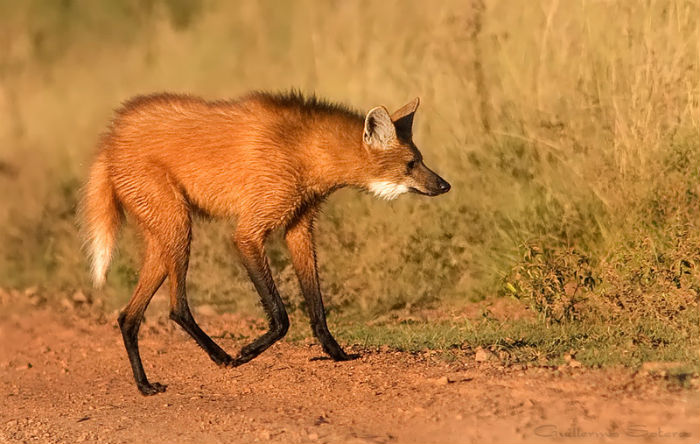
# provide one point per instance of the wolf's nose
(443, 186)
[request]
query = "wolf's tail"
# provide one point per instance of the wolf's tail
(101, 217)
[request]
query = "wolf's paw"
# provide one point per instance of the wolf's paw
(150, 389)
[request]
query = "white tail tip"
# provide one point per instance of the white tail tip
(101, 255)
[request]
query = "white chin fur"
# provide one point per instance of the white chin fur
(387, 190)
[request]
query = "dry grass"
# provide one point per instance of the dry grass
(560, 129)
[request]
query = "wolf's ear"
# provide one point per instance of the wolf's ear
(403, 118)
(379, 129)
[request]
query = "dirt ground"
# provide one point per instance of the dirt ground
(64, 377)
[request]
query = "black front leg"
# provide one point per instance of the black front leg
(252, 253)
(299, 239)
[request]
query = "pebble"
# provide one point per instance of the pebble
(481, 355)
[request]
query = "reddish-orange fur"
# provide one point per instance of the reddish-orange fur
(265, 161)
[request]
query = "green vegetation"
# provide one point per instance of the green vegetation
(529, 341)
(571, 142)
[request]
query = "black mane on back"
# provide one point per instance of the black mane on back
(296, 99)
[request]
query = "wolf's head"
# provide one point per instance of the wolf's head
(396, 164)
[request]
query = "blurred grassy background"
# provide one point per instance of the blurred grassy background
(568, 129)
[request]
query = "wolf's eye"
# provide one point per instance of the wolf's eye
(410, 165)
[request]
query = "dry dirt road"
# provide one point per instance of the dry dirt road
(64, 377)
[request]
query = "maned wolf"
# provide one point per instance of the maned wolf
(267, 160)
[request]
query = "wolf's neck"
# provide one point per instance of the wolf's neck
(336, 156)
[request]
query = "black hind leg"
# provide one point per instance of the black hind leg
(150, 279)
(178, 259)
